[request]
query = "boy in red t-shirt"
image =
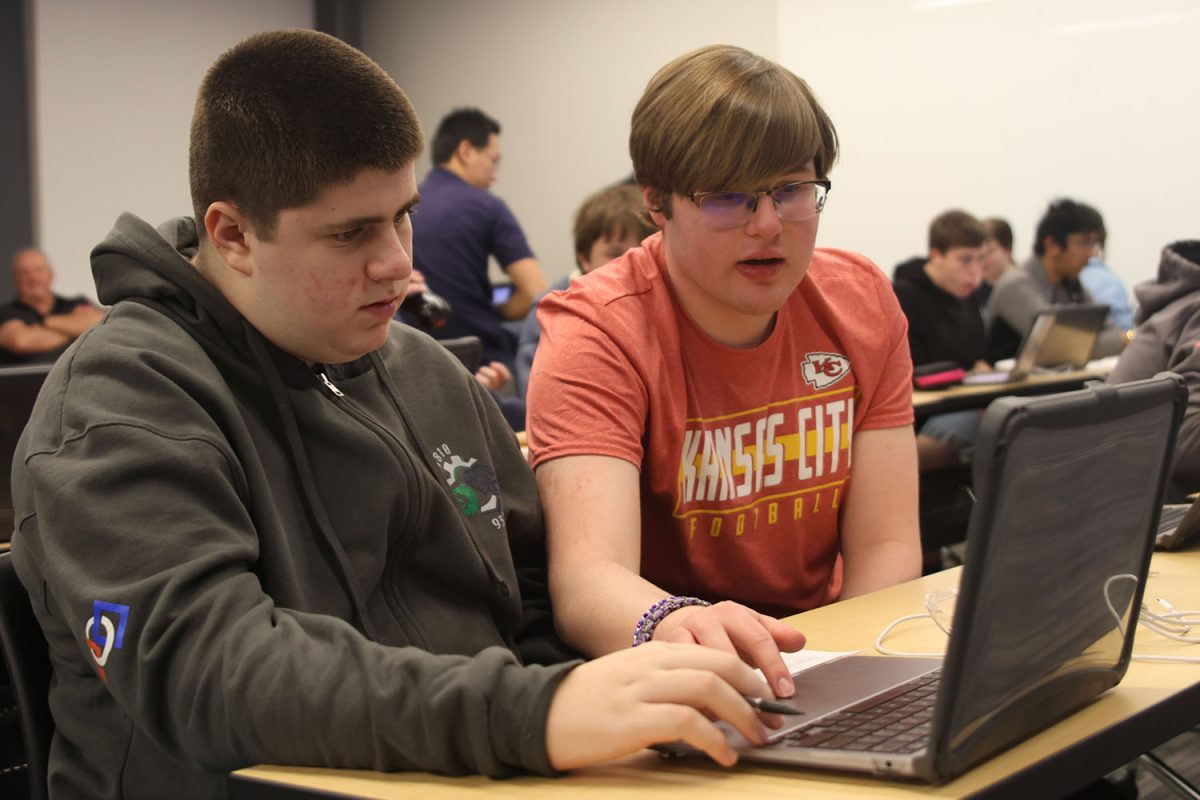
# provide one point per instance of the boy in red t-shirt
(724, 413)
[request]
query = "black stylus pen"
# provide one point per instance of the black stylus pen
(771, 707)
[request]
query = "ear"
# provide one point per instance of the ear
(230, 234)
(653, 203)
(464, 152)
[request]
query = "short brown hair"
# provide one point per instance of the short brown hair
(956, 229)
(721, 118)
(1000, 231)
(283, 115)
(615, 212)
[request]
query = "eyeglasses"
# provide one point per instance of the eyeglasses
(793, 201)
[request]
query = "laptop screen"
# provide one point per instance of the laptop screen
(1069, 489)
(19, 387)
(1061, 336)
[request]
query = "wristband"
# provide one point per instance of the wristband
(657, 612)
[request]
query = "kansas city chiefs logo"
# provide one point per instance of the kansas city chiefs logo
(824, 369)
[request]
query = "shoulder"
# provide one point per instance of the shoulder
(12, 310)
(69, 303)
(1017, 280)
(845, 277)
(110, 377)
(629, 292)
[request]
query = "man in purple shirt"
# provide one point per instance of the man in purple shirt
(460, 224)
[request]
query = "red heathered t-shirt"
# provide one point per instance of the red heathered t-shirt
(744, 454)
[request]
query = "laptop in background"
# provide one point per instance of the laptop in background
(1069, 491)
(1178, 525)
(1061, 336)
(19, 387)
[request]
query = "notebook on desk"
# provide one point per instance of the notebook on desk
(19, 387)
(1069, 490)
(1061, 336)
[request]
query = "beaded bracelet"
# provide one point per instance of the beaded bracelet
(657, 612)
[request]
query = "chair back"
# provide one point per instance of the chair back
(28, 659)
(19, 387)
(467, 349)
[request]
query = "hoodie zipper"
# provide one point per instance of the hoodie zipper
(329, 384)
(416, 635)
(348, 406)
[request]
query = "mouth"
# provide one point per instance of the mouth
(761, 265)
(387, 306)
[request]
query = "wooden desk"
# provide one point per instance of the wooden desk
(963, 396)
(1154, 703)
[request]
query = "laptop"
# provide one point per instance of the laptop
(1178, 525)
(1069, 488)
(19, 387)
(1061, 336)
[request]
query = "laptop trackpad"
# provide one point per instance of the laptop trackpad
(834, 684)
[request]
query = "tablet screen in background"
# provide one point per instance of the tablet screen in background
(501, 293)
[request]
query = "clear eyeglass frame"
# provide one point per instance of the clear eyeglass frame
(793, 201)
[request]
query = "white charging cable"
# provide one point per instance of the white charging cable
(1173, 624)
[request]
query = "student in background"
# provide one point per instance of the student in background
(607, 223)
(37, 325)
(997, 257)
(944, 324)
(694, 403)
(1066, 238)
(1167, 337)
(1106, 287)
(262, 522)
(462, 224)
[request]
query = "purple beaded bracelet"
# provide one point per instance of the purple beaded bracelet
(655, 614)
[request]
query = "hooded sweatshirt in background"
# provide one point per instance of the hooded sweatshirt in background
(1168, 338)
(238, 558)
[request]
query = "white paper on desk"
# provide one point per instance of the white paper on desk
(1106, 364)
(800, 660)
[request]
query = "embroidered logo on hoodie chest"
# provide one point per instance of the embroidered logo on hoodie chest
(473, 484)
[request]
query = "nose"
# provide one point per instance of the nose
(764, 219)
(393, 260)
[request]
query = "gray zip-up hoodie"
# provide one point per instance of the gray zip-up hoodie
(237, 558)
(1168, 338)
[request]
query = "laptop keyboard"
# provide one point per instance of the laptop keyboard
(896, 721)
(1171, 516)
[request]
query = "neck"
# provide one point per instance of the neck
(1051, 268)
(935, 276)
(453, 166)
(41, 303)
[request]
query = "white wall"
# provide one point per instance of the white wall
(561, 77)
(114, 87)
(993, 105)
(998, 106)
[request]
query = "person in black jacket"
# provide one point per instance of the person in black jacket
(944, 324)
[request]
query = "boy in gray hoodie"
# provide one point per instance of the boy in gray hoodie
(261, 522)
(1167, 337)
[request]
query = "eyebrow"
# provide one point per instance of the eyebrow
(357, 222)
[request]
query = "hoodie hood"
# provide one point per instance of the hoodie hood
(154, 266)
(1178, 274)
(135, 260)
